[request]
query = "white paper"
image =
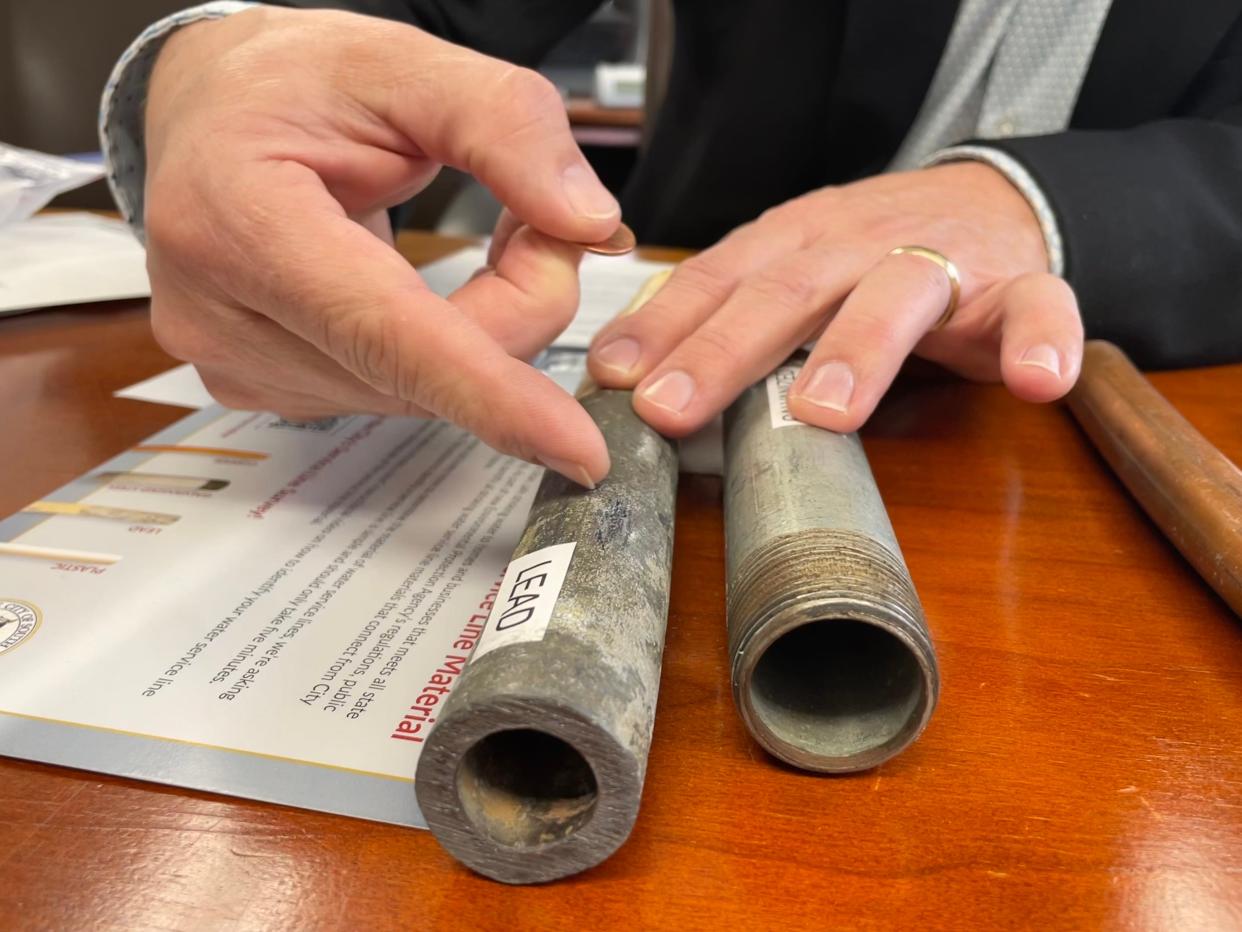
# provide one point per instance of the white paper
(251, 606)
(72, 258)
(180, 387)
(29, 180)
(609, 283)
(267, 628)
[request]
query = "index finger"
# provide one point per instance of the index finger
(631, 346)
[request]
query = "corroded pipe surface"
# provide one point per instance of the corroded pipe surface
(1187, 486)
(535, 767)
(833, 668)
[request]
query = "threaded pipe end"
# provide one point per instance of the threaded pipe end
(833, 667)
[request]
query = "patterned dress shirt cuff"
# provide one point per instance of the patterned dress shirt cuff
(1021, 179)
(122, 110)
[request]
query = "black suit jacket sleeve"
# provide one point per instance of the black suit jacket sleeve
(1151, 219)
(1150, 210)
(520, 31)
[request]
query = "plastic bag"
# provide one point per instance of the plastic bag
(28, 180)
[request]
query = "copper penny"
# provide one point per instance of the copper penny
(621, 242)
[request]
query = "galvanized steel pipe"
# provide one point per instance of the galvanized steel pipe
(535, 767)
(833, 668)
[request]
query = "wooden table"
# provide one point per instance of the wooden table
(594, 125)
(1084, 769)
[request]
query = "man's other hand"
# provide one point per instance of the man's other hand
(819, 268)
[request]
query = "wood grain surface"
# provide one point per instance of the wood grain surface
(1083, 770)
(584, 111)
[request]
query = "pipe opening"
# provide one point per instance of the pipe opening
(524, 788)
(838, 688)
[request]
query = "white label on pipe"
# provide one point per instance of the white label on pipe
(527, 596)
(778, 391)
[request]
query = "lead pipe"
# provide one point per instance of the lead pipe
(535, 767)
(833, 669)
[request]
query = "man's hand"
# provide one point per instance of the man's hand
(275, 141)
(817, 268)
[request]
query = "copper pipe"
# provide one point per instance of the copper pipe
(1187, 486)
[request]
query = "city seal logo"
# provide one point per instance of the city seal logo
(18, 621)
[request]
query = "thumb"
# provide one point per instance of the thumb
(504, 124)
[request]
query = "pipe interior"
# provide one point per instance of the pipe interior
(838, 688)
(524, 788)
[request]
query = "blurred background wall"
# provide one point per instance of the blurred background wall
(56, 55)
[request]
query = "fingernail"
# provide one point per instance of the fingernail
(588, 197)
(575, 472)
(671, 391)
(830, 386)
(1045, 357)
(620, 354)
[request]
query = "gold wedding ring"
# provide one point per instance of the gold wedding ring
(955, 280)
